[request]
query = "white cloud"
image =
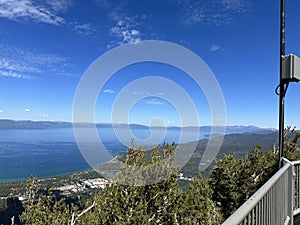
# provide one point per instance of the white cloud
(238, 6)
(125, 33)
(44, 115)
(25, 9)
(45, 11)
(59, 5)
(14, 75)
(141, 93)
(171, 122)
(214, 48)
(1, 110)
(217, 12)
(125, 29)
(83, 29)
(102, 3)
(37, 58)
(154, 102)
(19, 63)
(205, 15)
(26, 110)
(135, 32)
(6, 63)
(109, 91)
(193, 15)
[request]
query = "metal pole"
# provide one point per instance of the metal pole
(282, 83)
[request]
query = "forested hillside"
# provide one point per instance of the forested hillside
(146, 191)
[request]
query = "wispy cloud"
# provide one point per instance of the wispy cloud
(84, 29)
(46, 11)
(109, 91)
(102, 3)
(171, 122)
(125, 31)
(12, 74)
(26, 9)
(214, 48)
(140, 93)
(26, 110)
(217, 12)
(8, 64)
(238, 6)
(125, 28)
(59, 6)
(154, 102)
(1, 111)
(19, 63)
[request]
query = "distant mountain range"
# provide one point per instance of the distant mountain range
(240, 139)
(239, 143)
(32, 125)
(6, 124)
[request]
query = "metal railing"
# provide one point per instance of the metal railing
(275, 203)
(296, 187)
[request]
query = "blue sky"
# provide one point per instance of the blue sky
(46, 46)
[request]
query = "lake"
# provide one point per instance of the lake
(52, 152)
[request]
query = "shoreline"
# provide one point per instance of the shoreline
(23, 179)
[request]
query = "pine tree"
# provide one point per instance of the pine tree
(198, 206)
(145, 191)
(40, 209)
(234, 180)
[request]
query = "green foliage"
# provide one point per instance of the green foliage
(291, 141)
(40, 209)
(234, 180)
(142, 168)
(198, 206)
(146, 190)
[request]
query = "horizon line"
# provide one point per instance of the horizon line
(126, 124)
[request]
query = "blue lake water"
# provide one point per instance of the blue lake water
(52, 152)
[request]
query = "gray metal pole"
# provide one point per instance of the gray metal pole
(282, 84)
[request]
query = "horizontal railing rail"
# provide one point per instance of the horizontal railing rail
(275, 203)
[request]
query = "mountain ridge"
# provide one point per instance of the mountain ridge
(6, 124)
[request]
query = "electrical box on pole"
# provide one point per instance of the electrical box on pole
(291, 68)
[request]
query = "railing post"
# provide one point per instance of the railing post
(291, 190)
(296, 188)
